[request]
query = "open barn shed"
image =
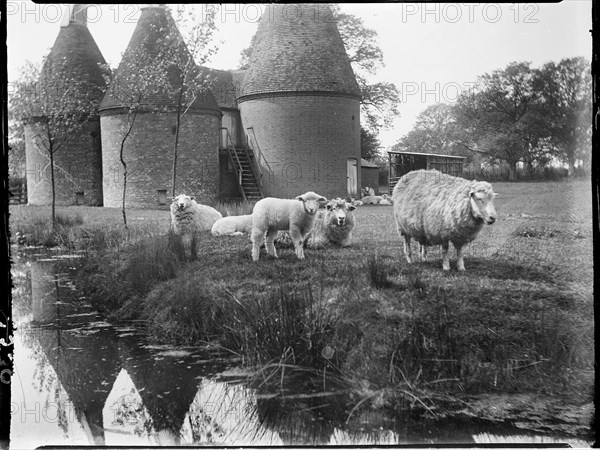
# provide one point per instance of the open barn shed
(403, 162)
(369, 174)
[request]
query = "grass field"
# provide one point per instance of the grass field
(520, 319)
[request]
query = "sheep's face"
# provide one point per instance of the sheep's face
(337, 210)
(311, 201)
(182, 201)
(482, 202)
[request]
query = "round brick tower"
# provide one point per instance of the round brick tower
(301, 100)
(149, 148)
(78, 158)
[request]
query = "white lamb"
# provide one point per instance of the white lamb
(367, 191)
(333, 225)
(435, 208)
(232, 226)
(189, 218)
(371, 199)
(272, 214)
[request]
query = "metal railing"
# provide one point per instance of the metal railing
(233, 157)
(260, 158)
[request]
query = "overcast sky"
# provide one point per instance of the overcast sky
(432, 51)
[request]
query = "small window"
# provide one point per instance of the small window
(162, 196)
(79, 198)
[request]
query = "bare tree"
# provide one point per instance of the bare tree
(182, 54)
(139, 76)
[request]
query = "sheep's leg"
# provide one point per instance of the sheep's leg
(445, 257)
(298, 241)
(258, 236)
(407, 252)
(185, 243)
(269, 243)
(423, 252)
(193, 247)
(460, 263)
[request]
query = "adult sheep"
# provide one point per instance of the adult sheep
(232, 226)
(272, 214)
(189, 218)
(435, 208)
(333, 225)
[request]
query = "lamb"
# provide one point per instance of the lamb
(437, 209)
(333, 225)
(367, 191)
(386, 200)
(272, 214)
(232, 226)
(189, 218)
(371, 199)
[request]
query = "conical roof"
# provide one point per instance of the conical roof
(155, 30)
(298, 49)
(75, 56)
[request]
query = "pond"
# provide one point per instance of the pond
(80, 380)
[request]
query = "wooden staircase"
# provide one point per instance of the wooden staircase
(247, 172)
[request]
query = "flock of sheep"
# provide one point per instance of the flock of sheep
(431, 207)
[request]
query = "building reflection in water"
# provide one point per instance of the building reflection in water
(81, 381)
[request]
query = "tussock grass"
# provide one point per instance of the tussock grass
(91, 229)
(378, 273)
(519, 319)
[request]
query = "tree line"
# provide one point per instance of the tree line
(512, 116)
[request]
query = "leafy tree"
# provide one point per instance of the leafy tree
(56, 105)
(369, 144)
(502, 117)
(567, 100)
(435, 131)
(380, 100)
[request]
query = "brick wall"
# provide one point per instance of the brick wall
(77, 167)
(149, 156)
(307, 140)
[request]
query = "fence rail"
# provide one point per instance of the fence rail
(18, 195)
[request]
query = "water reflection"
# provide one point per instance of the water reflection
(82, 381)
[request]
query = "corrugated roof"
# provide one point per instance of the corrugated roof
(154, 24)
(365, 163)
(427, 154)
(298, 49)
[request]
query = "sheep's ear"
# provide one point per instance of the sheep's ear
(322, 199)
(329, 206)
(495, 195)
(471, 192)
(351, 207)
(192, 197)
(300, 198)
